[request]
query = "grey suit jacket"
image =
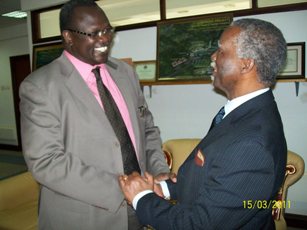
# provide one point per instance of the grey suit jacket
(72, 151)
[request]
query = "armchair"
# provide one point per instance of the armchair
(19, 202)
(177, 150)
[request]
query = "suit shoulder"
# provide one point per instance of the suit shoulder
(48, 73)
(119, 63)
(123, 69)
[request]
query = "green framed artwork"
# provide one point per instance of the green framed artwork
(44, 54)
(185, 47)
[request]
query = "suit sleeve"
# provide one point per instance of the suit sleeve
(244, 171)
(155, 160)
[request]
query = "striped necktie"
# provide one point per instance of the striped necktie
(218, 118)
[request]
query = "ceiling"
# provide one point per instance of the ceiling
(133, 14)
(7, 6)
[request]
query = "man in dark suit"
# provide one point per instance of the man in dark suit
(231, 179)
(68, 142)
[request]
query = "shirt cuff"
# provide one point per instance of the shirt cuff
(165, 190)
(138, 197)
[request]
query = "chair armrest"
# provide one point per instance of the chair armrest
(294, 171)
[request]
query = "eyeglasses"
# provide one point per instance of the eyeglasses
(97, 34)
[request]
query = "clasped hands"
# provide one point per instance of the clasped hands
(134, 183)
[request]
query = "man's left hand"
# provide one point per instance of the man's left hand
(133, 184)
(166, 176)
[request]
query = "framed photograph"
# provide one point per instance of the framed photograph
(45, 54)
(295, 64)
(185, 47)
(146, 70)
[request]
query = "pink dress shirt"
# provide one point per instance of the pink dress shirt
(86, 73)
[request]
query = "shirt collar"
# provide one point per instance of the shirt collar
(236, 102)
(83, 68)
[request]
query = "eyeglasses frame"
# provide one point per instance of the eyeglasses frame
(98, 33)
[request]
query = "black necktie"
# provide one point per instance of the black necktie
(218, 118)
(128, 152)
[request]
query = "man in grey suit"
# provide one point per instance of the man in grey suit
(68, 142)
(231, 179)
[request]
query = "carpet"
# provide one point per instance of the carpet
(11, 165)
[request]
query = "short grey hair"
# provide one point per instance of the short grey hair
(264, 42)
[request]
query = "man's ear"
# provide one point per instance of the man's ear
(247, 64)
(67, 37)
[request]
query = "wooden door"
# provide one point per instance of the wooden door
(20, 68)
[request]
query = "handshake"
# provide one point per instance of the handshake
(135, 184)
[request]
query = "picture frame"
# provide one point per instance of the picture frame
(185, 46)
(44, 54)
(146, 70)
(295, 64)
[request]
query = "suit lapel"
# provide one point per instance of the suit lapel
(80, 90)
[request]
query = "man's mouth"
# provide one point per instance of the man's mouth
(101, 49)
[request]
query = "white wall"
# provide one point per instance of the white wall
(186, 110)
(13, 42)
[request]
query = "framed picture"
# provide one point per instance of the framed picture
(295, 64)
(146, 70)
(185, 47)
(45, 54)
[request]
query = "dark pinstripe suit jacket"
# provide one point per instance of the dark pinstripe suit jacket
(235, 169)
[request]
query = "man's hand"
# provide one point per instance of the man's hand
(163, 177)
(166, 176)
(133, 184)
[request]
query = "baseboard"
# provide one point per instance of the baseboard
(10, 147)
(298, 221)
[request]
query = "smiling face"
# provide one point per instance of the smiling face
(90, 35)
(226, 63)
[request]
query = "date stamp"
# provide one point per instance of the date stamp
(266, 204)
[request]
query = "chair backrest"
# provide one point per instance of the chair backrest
(177, 150)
